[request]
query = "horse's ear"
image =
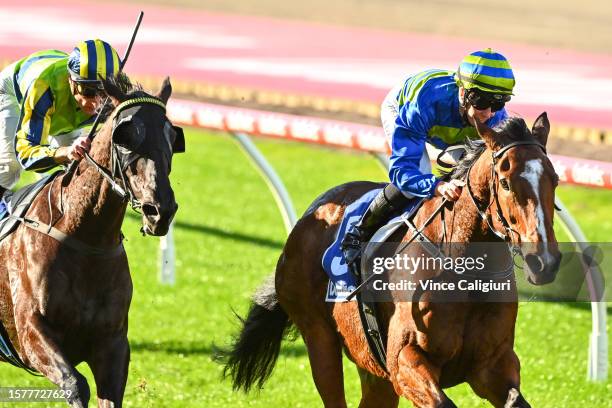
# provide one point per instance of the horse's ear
(114, 92)
(490, 136)
(541, 128)
(165, 91)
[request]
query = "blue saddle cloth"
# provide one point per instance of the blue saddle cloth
(341, 280)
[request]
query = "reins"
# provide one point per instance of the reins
(484, 215)
(417, 233)
(121, 188)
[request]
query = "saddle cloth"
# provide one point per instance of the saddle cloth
(15, 204)
(341, 281)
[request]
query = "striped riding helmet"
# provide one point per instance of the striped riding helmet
(92, 61)
(487, 71)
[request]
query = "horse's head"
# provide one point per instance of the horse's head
(143, 142)
(522, 185)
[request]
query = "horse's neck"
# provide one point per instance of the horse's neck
(462, 222)
(92, 211)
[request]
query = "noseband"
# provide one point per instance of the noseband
(484, 213)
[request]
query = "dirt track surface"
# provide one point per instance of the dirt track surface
(580, 25)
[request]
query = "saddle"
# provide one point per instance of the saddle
(13, 206)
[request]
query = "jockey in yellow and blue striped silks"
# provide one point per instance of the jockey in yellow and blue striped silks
(55, 94)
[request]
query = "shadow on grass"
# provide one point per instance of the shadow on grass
(201, 348)
(236, 236)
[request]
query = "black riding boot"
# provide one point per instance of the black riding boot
(387, 203)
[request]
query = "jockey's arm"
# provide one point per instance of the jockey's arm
(407, 148)
(404, 170)
(31, 138)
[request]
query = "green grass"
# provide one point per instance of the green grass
(228, 236)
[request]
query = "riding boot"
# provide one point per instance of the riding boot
(388, 202)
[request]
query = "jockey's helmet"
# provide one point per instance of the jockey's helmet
(93, 61)
(487, 71)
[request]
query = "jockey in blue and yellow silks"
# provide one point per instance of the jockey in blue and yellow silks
(45, 98)
(437, 107)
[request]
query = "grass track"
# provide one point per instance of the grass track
(229, 234)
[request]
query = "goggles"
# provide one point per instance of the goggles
(88, 90)
(483, 100)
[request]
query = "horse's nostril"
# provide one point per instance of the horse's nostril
(535, 263)
(150, 210)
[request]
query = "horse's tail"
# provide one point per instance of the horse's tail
(253, 354)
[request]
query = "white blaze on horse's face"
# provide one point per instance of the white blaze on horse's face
(533, 173)
(530, 205)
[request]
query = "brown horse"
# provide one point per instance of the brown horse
(67, 302)
(430, 345)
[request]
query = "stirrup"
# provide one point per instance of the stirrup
(355, 267)
(350, 245)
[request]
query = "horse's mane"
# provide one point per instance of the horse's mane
(513, 128)
(129, 89)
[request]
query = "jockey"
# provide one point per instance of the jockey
(45, 100)
(437, 107)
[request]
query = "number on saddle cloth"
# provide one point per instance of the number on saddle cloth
(342, 280)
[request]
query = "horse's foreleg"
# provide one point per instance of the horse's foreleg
(376, 392)
(109, 365)
(325, 355)
(44, 354)
(499, 382)
(418, 379)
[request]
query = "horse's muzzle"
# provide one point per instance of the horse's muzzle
(156, 218)
(542, 268)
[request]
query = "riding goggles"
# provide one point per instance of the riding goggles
(88, 90)
(484, 100)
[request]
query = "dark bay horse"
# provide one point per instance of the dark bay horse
(63, 303)
(430, 345)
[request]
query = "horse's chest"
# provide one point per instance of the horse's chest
(91, 312)
(461, 332)
(85, 306)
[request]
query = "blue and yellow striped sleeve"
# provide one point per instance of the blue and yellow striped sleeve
(31, 138)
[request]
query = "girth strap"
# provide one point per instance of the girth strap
(73, 243)
(373, 333)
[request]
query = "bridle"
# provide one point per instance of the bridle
(120, 159)
(419, 236)
(484, 212)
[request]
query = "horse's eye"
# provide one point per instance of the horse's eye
(504, 184)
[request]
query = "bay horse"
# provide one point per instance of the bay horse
(65, 288)
(430, 345)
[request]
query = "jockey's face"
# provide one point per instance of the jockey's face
(482, 115)
(87, 103)
(472, 113)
